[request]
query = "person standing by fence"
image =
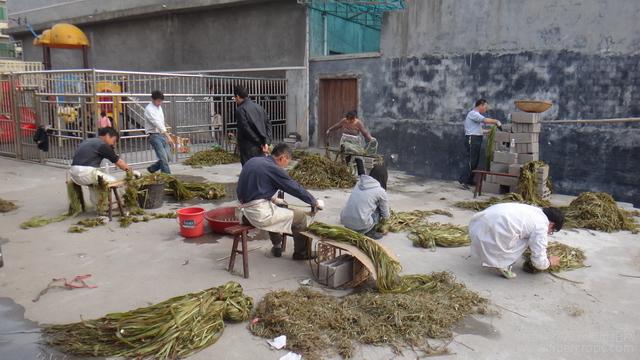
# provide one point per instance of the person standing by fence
(254, 126)
(159, 138)
(104, 121)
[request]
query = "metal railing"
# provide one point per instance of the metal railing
(69, 102)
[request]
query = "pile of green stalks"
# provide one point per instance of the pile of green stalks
(318, 325)
(435, 234)
(490, 145)
(127, 220)
(405, 221)
(599, 211)
(570, 258)
(300, 154)
(528, 183)
(180, 190)
(318, 172)
(173, 329)
(211, 157)
(75, 208)
(6, 206)
(85, 224)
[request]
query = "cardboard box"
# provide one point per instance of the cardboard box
(505, 157)
(514, 169)
(525, 158)
(528, 148)
(526, 128)
(499, 167)
(526, 138)
(525, 118)
(336, 272)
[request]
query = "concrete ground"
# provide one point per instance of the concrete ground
(540, 316)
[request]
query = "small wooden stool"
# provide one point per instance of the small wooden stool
(113, 189)
(239, 233)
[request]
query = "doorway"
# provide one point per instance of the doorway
(337, 96)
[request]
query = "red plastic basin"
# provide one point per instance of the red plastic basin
(221, 218)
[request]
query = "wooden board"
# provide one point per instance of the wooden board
(354, 251)
(337, 96)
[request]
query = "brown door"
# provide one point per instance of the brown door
(337, 96)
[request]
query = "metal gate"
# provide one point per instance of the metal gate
(69, 102)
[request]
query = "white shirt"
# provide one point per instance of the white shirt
(473, 123)
(501, 233)
(154, 119)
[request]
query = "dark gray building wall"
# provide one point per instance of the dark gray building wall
(256, 35)
(437, 59)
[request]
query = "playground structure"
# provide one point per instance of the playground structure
(67, 103)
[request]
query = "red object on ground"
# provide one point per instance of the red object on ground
(221, 218)
(191, 221)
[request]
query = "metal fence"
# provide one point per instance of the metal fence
(68, 104)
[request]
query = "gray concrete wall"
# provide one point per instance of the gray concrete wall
(249, 36)
(414, 98)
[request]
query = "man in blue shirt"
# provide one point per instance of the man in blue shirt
(259, 181)
(473, 139)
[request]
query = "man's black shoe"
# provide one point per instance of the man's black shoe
(276, 251)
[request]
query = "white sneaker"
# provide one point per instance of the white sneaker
(507, 273)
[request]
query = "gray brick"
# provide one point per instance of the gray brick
(526, 128)
(526, 138)
(525, 118)
(491, 188)
(525, 158)
(506, 180)
(505, 157)
(514, 169)
(502, 137)
(527, 148)
(499, 167)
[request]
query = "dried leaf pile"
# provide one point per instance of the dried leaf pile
(172, 329)
(6, 206)
(570, 258)
(318, 172)
(317, 324)
(599, 211)
(211, 157)
(426, 234)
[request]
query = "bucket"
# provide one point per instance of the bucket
(151, 197)
(191, 221)
(221, 218)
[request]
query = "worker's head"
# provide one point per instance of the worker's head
(351, 115)
(239, 94)
(380, 173)
(482, 106)
(109, 135)
(282, 155)
(157, 97)
(556, 219)
(103, 113)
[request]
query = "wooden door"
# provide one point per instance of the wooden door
(337, 96)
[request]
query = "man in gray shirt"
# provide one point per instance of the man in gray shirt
(473, 139)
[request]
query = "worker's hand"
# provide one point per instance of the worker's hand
(277, 201)
(498, 123)
(554, 261)
(136, 174)
(265, 149)
(169, 139)
(319, 204)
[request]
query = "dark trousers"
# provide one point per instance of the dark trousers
(248, 152)
(472, 143)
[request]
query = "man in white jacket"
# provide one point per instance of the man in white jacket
(501, 233)
(159, 138)
(368, 204)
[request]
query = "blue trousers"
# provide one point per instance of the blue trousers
(163, 151)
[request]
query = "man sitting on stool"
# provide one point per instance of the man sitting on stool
(259, 181)
(85, 167)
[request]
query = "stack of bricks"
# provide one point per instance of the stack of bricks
(525, 134)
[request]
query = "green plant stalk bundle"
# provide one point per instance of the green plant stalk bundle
(599, 211)
(405, 221)
(570, 258)
(435, 234)
(318, 172)
(6, 206)
(211, 157)
(172, 329)
(490, 145)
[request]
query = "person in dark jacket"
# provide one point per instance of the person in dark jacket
(254, 126)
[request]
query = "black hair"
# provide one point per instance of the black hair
(103, 113)
(240, 91)
(360, 166)
(157, 95)
(380, 173)
(351, 114)
(108, 131)
(555, 216)
(281, 149)
(481, 102)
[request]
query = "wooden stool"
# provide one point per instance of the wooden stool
(113, 189)
(239, 233)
